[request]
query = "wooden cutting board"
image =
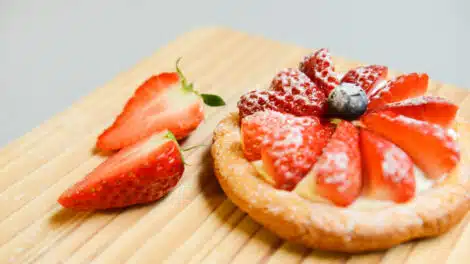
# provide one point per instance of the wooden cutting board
(195, 223)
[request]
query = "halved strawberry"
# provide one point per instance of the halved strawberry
(291, 92)
(289, 151)
(255, 127)
(431, 109)
(431, 147)
(164, 101)
(388, 171)
(398, 89)
(139, 174)
(366, 77)
(338, 170)
(319, 67)
(259, 101)
(301, 97)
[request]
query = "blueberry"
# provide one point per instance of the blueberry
(347, 101)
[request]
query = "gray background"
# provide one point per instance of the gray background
(54, 52)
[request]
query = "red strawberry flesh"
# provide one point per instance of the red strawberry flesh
(366, 77)
(388, 170)
(397, 89)
(301, 97)
(291, 92)
(431, 109)
(139, 174)
(319, 67)
(338, 170)
(289, 151)
(431, 147)
(158, 104)
(256, 127)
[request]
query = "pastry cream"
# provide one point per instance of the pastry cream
(306, 188)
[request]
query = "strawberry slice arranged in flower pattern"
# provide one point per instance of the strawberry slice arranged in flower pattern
(400, 128)
(366, 77)
(388, 170)
(397, 89)
(288, 153)
(287, 145)
(431, 147)
(291, 92)
(431, 109)
(319, 67)
(338, 170)
(255, 127)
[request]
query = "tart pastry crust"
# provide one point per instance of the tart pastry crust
(328, 227)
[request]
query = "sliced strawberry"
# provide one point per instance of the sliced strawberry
(289, 151)
(388, 171)
(319, 67)
(138, 174)
(163, 102)
(300, 96)
(258, 101)
(291, 92)
(255, 127)
(431, 147)
(366, 77)
(431, 109)
(398, 89)
(338, 170)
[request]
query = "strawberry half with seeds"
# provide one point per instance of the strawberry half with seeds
(301, 96)
(397, 89)
(388, 171)
(138, 174)
(163, 102)
(431, 109)
(258, 101)
(432, 148)
(291, 92)
(366, 77)
(319, 67)
(338, 170)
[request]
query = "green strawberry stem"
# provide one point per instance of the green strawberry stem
(172, 137)
(208, 99)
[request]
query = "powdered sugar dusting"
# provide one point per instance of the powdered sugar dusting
(420, 100)
(431, 129)
(337, 160)
(378, 87)
(294, 87)
(256, 127)
(285, 145)
(392, 164)
(423, 183)
(318, 66)
(365, 76)
(451, 132)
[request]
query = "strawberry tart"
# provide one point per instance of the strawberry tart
(345, 162)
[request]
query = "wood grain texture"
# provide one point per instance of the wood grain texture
(195, 223)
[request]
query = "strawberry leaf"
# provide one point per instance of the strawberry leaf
(209, 99)
(212, 100)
